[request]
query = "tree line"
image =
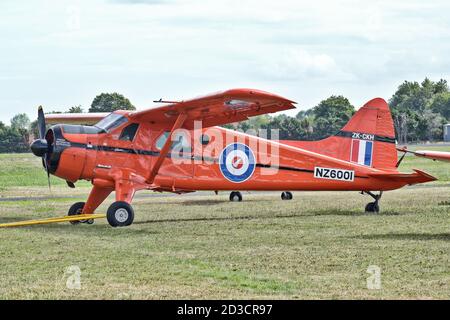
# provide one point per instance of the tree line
(16, 137)
(419, 111)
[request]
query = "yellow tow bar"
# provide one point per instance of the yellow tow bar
(52, 220)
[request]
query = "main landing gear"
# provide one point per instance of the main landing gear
(373, 207)
(235, 196)
(77, 209)
(120, 214)
(286, 195)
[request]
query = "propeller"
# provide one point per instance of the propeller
(40, 147)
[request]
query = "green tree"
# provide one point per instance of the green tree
(109, 102)
(331, 115)
(441, 86)
(76, 109)
(20, 121)
(34, 129)
(12, 141)
(419, 110)
(434, 125)
(441, 104)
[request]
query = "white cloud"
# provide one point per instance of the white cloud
(63, 53)
(297, 64)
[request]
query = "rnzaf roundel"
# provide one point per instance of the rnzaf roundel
(237, 162)
(362, 152)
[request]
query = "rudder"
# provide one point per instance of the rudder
(367, 139)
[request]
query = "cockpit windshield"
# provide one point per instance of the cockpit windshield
(110, 122)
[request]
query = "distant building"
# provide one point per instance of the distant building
(447, 132)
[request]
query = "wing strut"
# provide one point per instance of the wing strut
(166, 148)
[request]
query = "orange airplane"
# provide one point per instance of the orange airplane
(179, 148)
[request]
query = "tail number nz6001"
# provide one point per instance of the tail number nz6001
(334, 174)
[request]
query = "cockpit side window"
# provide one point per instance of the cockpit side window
(110, 122)
(180, 142)
(162, 140)
(129, 132)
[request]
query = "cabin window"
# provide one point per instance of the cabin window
(129, 132)
(180, 141)
(111, 122)
(162, 140)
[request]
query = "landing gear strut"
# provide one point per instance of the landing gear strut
(373, 207)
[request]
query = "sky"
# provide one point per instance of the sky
(63, 53)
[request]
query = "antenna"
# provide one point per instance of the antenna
(165, 101)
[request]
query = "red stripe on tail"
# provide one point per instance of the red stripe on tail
(355, 151)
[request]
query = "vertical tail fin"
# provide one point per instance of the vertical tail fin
(367, 139)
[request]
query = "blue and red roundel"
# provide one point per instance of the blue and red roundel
(237, 162)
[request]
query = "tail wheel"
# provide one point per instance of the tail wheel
(75, 210)
(286, 195)
(120, 214)
(373, 207)
(235, 196)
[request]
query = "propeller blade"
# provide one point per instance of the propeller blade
(41, 123)
(44, 158)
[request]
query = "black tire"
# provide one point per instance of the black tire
(286, 195)
(76, 209)
(372, 207)
(120, 214)
(235, 196)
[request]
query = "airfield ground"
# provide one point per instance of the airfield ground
(318, 245)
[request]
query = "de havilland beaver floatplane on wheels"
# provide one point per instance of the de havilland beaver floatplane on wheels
(179, 148)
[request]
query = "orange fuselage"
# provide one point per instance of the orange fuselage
(104, 159)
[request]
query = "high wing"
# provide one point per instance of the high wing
(75, 118)
(217, 109)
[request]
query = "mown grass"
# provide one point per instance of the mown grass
(317, 246)
(24, 170)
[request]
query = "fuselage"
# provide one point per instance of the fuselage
(199, 160)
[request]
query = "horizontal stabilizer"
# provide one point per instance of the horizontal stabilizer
(434, 155)
(410, 178)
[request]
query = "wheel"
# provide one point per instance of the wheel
(286, 195)
(235, 196)
(76, 209)
(372, 207)
(120, 214)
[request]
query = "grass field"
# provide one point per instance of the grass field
(318, 245)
